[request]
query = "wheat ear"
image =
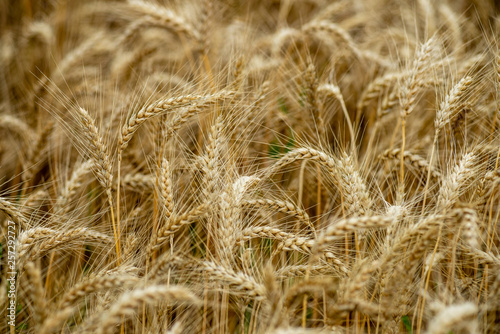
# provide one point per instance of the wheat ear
(446, 113)
(231, 218)
(343, 35)
(96, 284)
(453, 316)
(281, 206)
(414, 160)
(129, 302)
(67, 193)
(102, 167)
(164, 106)
(138, 182)
(238, 281)
(177, 222)
(334, 90)
(356, 196)
(450, 189)
(17, 127)
(15, 213)
(161, 16)
(34, 277)
(408, 98)
(165, 186)
(54, 322)
(304, 153)
(340, 228)
(38, 240)
(288, 241)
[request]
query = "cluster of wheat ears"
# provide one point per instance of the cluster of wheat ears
(251, 166)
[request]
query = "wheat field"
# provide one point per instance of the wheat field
(285, 166)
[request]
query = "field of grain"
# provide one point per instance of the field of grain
(226, 166)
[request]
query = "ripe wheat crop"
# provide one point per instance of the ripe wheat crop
(288, 166)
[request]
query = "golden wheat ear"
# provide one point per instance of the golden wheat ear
(103, 169)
